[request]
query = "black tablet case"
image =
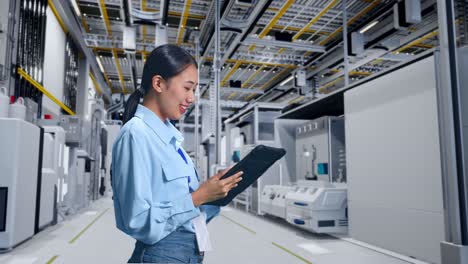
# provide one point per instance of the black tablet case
(253, 165)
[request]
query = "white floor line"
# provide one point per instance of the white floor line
(382, 250)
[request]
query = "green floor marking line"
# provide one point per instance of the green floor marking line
(88, 226)
(241, 225)
(292, 253)
(52, 259)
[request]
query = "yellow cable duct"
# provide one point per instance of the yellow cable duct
(352, 20)
(231, 72)
(247, 81)
(119, 70)
(44, 90)
(183, 21)
(59, 19)
(96, 85)
(275, 19)
(417, 41)
(114, 53)
(269, 82)
(313, 21)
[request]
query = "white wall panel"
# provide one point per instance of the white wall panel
(54, 63)
(393, 162)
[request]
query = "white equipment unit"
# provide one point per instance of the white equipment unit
(83, 178)
(320, 150)
(48, 183)
(273, 200)
(320, 207)
(113, 129)
(19, 155)
(245, 130)
(58, 157)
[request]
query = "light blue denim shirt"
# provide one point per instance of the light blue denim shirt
(150, 180)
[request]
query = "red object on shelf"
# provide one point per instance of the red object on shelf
(47, 116)
(12, 99)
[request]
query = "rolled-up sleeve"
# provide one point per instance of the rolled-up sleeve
(136, 213)
(211, 211)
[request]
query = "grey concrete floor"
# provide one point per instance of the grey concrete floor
(237, 237)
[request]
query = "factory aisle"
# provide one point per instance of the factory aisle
(238, 237)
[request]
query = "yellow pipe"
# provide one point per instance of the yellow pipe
(424, 46)
(143, 6)
(298, 99)
(253, 76)
(104, 73)
(85, 25)
(96, 85)
(59, 19)
(119, 70)
(352, 20)
(269, 82)
(315, 19)
(247, 81)
(183, 22)
(297, 30)
(44, 91)
(417, 41)
(231, 72)
(106, 17)
(275, 19)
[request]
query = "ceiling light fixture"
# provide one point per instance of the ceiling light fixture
(371, 25)
(286, 81)
(100, 64)
(76, 8)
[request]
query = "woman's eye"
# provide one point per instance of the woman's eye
(188, 88)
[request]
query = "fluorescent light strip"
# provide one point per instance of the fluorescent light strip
(75, 6)
(287, 80)
(371, 25)
(100, 64)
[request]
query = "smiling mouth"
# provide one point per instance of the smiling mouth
(183, 108)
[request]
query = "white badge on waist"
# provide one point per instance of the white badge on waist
(201, 231)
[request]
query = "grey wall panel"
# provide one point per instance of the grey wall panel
(393, 161)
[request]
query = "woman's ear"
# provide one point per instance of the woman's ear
(157, 83)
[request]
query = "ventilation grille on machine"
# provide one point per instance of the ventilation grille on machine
(343, 222)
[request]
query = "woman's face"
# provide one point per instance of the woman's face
(178, 93)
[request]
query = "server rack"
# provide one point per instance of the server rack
(30, 53)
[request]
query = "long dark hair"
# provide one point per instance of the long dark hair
(166, 60)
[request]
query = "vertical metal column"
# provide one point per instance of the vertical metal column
(345, 43)
(454, 249)
(197, 101)
(216, 69)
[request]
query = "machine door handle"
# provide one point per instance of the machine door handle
(300, 204)
(299, 222)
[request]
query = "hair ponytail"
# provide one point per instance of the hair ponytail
(166, 60)
(131, 105)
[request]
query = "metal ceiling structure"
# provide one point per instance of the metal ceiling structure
(252, 50)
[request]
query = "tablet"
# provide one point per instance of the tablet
(253, 165)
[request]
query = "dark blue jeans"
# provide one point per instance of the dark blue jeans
(179, 246)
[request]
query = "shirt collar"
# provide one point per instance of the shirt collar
(164, 129)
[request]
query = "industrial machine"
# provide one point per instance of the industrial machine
(19, 148)
(48, 184)
(320, 150)
(57, 158)
(273, 200)
(248, 128)
(112, 127)
(319, 206)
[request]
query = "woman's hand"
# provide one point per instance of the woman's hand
(215, 188)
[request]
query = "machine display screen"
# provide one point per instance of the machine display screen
(3, 207)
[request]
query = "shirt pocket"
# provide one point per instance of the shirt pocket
(176, 180)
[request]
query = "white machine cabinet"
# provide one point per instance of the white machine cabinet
(320, 207)
(19, 154)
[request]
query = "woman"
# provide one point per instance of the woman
(157, 196)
